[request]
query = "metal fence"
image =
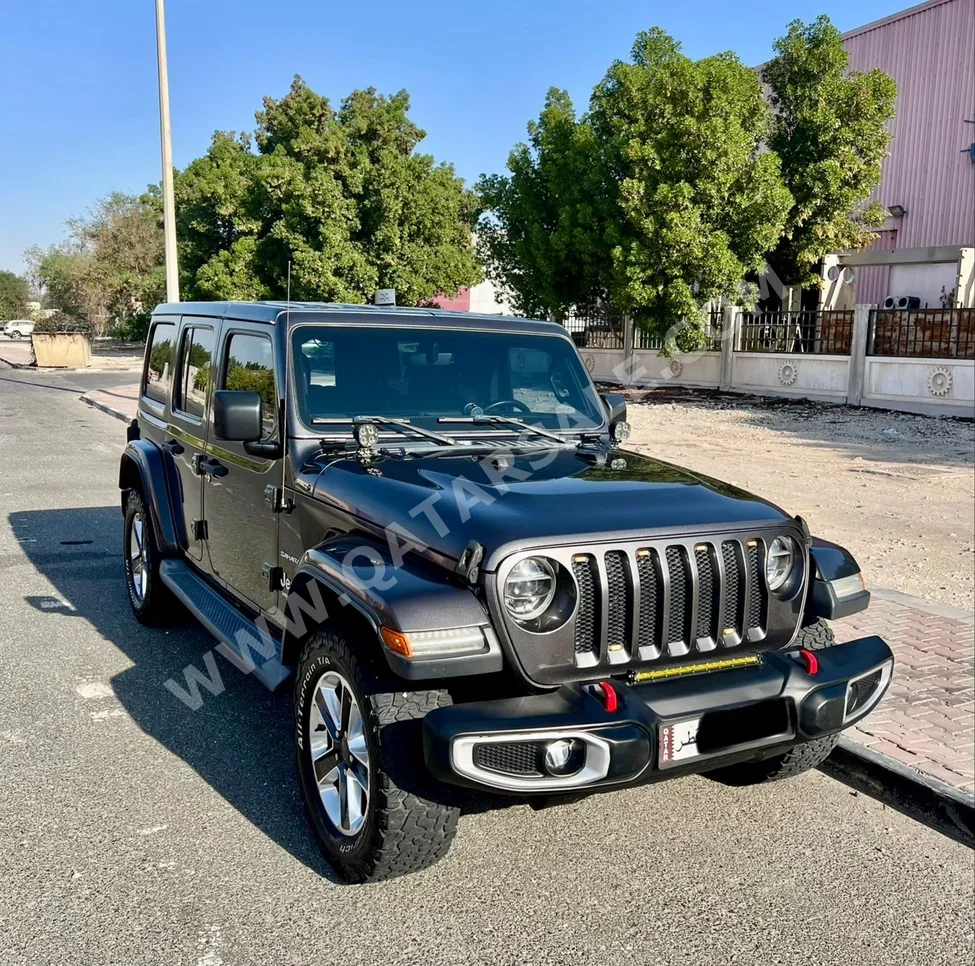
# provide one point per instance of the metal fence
(596, 331)
(922, 333)
(712, 335)
(609, 332)
(828, 332)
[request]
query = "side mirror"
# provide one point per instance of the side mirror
(616, 406)
(237, 415)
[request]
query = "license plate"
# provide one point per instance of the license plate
(678, 742)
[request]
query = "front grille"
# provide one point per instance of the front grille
(669, 602)
(510, 757)
(587, 618)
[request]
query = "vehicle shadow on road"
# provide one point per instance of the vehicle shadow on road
(240, 740)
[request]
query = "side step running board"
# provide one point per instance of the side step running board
(226, 623)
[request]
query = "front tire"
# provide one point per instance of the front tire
(369, 797)
(810, 754)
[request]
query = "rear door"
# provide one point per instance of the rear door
(188, 420)
(241, 524)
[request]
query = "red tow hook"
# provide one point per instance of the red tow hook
(607, 694)
(810, 659)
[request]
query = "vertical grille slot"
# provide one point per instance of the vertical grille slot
(707, 594)
(680, 603)
(587, 616)
(731, 620)
(620, 606)
(756, 597)
(651, 601)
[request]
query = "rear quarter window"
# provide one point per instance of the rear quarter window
(160, 360)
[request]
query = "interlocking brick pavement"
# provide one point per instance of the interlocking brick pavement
(927, 718)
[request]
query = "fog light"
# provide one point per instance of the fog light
(564, 757)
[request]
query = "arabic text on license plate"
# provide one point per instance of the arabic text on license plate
(678, 741)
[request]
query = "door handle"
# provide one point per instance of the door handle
(174, 447)
(213, 468)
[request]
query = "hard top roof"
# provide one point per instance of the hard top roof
(272, 312)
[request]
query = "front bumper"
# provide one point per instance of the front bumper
(659, 730)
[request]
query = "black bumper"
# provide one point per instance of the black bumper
(661, 729)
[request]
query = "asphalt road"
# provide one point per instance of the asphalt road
(133, 830)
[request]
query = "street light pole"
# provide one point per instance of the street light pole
(165, 135)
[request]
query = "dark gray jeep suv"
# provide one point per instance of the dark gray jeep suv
(425, 524)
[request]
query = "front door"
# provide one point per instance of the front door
(186, 432)
(241, 524)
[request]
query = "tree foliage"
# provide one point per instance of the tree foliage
(658, 199)
(110, 271)
(831, 135)
(13, 296)
(343, 195)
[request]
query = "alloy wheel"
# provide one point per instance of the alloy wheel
(138, 557)
(339, 753)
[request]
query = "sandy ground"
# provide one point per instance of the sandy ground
(896, 489)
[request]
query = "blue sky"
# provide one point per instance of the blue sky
(78, 98)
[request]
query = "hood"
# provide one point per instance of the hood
(445, 502)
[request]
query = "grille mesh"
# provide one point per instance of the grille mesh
(618, 616)
(510, 757)
(586, 618)
(707, 599)
(648, 568)
(755, 616)
(732, 589)
(679, 609)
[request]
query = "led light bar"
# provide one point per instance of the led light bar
(724, 664)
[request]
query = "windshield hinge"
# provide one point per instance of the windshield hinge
(469, 563)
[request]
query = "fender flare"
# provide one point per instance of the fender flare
(412, 597)
(142, 465)
(835, 587)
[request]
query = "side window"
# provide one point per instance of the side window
(193, 389)
(249, 366)
(161, 361)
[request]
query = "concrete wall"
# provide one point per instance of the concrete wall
(791, 374)
(929, 386)
(933, 386)
(924, 281)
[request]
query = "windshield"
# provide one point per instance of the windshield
(423, 375)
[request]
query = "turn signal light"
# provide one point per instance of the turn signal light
(396, 642)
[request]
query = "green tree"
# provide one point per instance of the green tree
(110, 271)
(660, 198)
(13, 296)
(343, 195)
(831, 134)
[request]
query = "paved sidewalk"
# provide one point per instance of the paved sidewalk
(121, 401)
(927, 718)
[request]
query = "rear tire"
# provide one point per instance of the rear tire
(370, 799)
(811, 754)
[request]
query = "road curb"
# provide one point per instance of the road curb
(117, 413)
(925, 799)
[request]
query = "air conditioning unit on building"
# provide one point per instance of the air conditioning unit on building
(908, 302)
(890, 302)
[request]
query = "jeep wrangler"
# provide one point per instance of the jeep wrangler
(424, 522)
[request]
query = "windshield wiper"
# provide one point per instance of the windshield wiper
(400, 424)
(485, 419)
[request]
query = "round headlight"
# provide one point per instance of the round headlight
(779, 562)
(529, 588)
